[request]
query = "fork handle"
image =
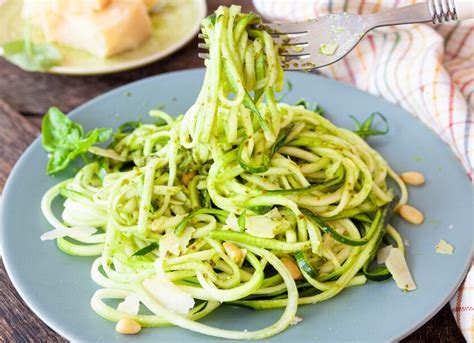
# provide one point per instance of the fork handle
(436, 11)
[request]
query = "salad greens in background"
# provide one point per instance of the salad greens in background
(31, 56)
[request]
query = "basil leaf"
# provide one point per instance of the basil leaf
(64, 139)
(59, 131)
(58, 161)
(365, 129)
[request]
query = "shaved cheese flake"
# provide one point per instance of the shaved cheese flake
(444, 247)
(261, 226)
(382, 254)
(170, 243)
(397, 266)
(296, 320)
(130, 305)
(274, 214)
(231, 223)
(73, 232)
(169, 295)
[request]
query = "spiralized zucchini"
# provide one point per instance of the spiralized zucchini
(274, 180)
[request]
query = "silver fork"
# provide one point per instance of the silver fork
(322, 41)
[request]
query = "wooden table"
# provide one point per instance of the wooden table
(24, 97)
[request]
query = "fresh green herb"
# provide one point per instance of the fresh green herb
(365, 129)
(212, 19)
(146, 250)
(316, 108)
(129, 126)
(241, 221)
(31, 56)
(65, 140)
(103, 168)
(303, 102)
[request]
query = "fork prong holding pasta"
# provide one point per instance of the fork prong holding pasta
(322, 41)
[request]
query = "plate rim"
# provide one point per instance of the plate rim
(45, 317)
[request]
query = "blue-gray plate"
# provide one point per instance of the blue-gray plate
(58, 287)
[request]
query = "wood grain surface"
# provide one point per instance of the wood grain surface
(25, 96)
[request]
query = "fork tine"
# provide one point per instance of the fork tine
(203, 36)
(203, 56)
(203, 46)
(285, 28)
(294, 50)
(291, 39)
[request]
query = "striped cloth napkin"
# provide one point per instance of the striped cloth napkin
(428, 70)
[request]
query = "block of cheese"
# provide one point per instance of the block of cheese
(118, 26)
(31, 8)
(82, 6)
(150, 3)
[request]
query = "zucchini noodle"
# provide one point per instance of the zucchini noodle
(194, 212)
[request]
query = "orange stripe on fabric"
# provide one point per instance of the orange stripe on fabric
(463, 41)
(361, 7)
(377, 6)
(360, 57)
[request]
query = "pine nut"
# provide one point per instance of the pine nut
(233, 251)
(413, 178)
(128, 327)
(411, 214)
(292, 267)
(187, 177)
